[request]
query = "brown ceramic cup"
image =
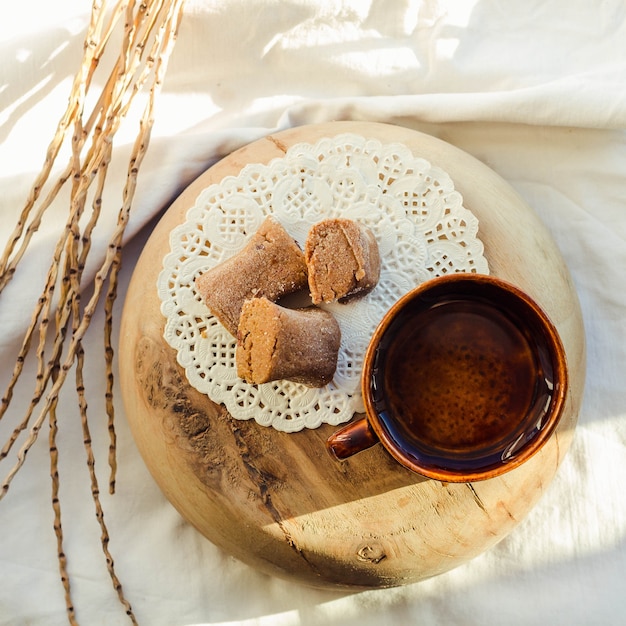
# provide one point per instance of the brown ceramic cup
(464, 379)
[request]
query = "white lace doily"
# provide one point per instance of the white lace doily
(421, 227)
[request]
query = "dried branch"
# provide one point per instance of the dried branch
(149, 34)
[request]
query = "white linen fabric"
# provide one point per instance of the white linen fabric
(537, 90)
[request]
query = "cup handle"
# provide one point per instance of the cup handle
(352, 438)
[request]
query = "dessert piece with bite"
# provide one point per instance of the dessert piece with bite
(342, 259)
(275, 343)
(271, 265)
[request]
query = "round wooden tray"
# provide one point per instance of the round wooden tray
(278, 501)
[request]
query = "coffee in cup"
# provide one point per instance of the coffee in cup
(464, 378)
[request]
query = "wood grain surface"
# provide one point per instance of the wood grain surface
(278, 501)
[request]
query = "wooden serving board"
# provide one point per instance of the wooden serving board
(278, 501)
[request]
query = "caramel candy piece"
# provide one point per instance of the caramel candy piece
(276, 343)
(271, 265)
(343, 260)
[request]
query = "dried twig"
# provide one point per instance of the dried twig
(149, 33)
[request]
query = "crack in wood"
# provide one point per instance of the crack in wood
(479, 502)
(261, 479)
(279, 144)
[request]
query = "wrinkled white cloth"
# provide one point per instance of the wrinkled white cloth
(537, 90)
